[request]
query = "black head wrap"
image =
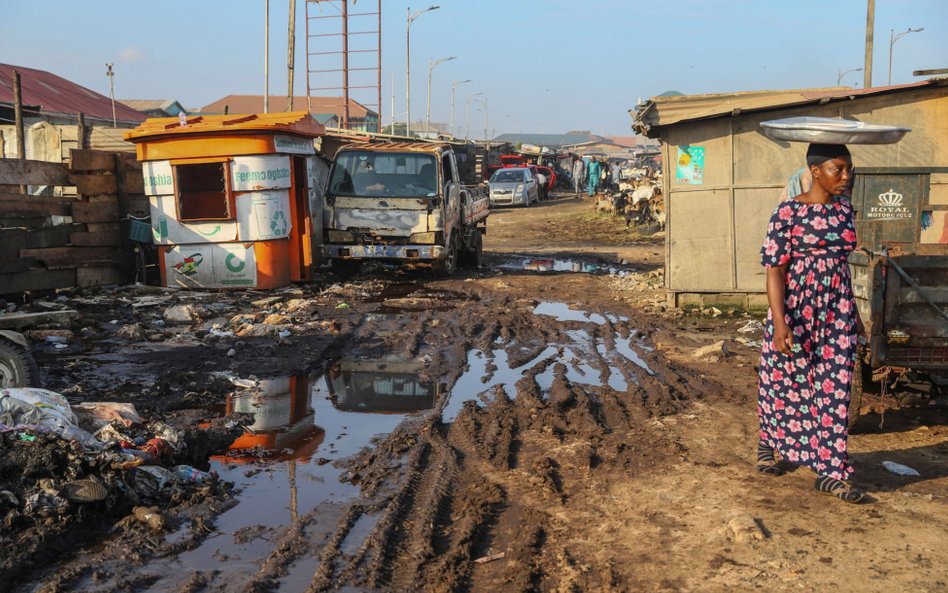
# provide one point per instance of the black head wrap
(817, 154)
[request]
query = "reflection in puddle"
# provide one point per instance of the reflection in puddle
(561, 265)
(562, 312)
(380, 386)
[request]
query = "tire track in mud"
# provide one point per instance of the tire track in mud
(453, 500)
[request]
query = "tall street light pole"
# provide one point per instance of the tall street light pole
(411, 18)
(111, 76)
(454, 85)
(892, 39)
(431, 67)
(842, 73)
(467, 117)
(486, 117)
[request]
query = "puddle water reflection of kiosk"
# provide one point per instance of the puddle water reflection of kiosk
(381, 386)
(232, 197)
(283, 418)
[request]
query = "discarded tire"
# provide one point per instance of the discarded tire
(17, 367)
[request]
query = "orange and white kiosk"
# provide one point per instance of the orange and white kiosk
(230, 197)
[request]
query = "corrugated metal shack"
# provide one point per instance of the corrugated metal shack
(724, 177)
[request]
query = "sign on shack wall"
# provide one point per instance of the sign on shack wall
(689, 167)
(252, 173)
(263, 215)
(212, 265)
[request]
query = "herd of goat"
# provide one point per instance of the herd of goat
(640, 203)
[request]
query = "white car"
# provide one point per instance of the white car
(514, 186)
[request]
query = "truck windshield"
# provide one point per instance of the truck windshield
(369, 174)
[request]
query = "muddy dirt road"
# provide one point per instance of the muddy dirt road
(536, 425)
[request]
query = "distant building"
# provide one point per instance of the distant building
(51, 108)
(54, 99)
(155, 107)
(361, 118)
(551, 140)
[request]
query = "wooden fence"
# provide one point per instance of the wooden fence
(62, 241)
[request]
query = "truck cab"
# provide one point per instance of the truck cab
(401, 202)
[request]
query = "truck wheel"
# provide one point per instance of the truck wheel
(345, 268)
(856, 393)
(472, 256)
(17, 367)
(449, 263)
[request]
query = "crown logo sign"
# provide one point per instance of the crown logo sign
(890, 198)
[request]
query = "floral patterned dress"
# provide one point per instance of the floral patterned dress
(803, 397)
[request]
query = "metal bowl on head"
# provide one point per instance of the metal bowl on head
(825, 130)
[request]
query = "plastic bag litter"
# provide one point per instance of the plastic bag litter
(98, 414)
(45, 504)
(751, 326)
(899, 469)
(163, 431)
(152, 480)
(55, 414)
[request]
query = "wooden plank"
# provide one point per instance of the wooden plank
(26, 220)
(97, 239)
(49, 205)
(97, 276)
(28, 172)
(71, 254)
(22, 321)
(92, 160)
(12, 241)
(19, 264)
(35, 279)
(90, 184)
(95, 212)
(134, 182)
(104, 227)
(54, 236)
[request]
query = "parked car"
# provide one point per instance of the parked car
(512, 186)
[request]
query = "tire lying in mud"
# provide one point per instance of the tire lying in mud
(17, 367)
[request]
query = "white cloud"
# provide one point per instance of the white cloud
(130, 54)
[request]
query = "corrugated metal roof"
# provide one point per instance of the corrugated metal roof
(295, 122)
(56, 95)
(426, 147)
(667, 110)
(254, 103)
(152, 104)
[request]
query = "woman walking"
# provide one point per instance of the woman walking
(809, 351)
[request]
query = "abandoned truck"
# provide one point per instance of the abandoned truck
(402, 202)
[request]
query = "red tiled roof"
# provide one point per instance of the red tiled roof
(254, 104)
(56, 95)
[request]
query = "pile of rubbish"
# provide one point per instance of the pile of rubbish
(56, 459)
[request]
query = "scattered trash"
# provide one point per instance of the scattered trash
(150, 516)
(7, 498)
(152, 481)
(342, 306)
(84, 491)
(98, 414)
(285, 333)
(751, 326)
(899, 469)
(158, 449)
(490, 558)
(712, 353)
(186, 473)
(45, 504)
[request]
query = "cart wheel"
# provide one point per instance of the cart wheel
(856, 393)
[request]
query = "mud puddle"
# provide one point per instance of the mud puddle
(561, 265)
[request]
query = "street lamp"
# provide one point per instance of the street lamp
(467, 117)
(842, 73)
(892, 39)
(454, 84)
(486, 117)
(431, 67)
(411, 18)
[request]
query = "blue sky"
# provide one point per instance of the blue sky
(542, 65)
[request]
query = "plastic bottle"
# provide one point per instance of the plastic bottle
(186, 473)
